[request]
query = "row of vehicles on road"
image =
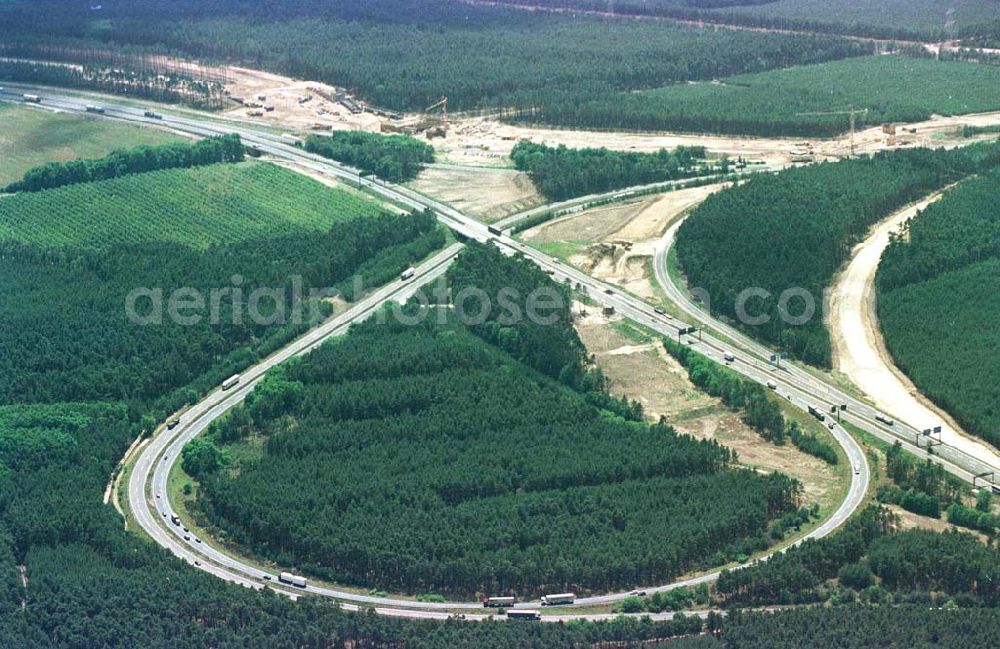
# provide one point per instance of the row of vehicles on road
(547, 600)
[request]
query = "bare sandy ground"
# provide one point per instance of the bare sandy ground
(646, 373)
(488, 195)
(859, 350)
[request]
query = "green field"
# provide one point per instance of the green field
(198, 207)
(31, 137)
(892, 88)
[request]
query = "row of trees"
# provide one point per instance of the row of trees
(134, 83)
(765, 251)
(125, 162)
(396, 158)
(760, 411)
(561, 173)
(931, 293)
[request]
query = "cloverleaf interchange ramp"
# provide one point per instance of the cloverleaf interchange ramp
(148, 478)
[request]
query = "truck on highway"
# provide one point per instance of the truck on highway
(494, 230)
(523, 615)
(231, 382)
(660, 310)
(175, 519)
(497, 602)
(294, 580)
(173, 423)
(772, 385)
(815, 412)
(94, 109)
(885, 420)
(558, 598)
(728, 357)
(151, 115)
(407, 274)
(34, 99)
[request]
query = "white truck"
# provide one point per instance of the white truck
(558, 598)
(231, 382)
(407, 274)
(34, 99)
(521, 614)
(498, 602)
(294, 580)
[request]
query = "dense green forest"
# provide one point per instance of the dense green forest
(760, 410)
(396, 158)
(423, 459)
(561, 173)
(937, 309)
(784, 102)
(125, 162)
(407, 54)
(892, 19)
(793, 230)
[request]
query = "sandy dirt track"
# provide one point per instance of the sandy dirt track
(859, 350)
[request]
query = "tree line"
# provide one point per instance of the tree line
(135, 160)
(760, 411)
(561, 173)
(396, 158)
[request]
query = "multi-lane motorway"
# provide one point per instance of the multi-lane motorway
(147, 487)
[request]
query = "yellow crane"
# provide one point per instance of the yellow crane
(853, 112)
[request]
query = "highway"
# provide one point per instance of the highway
(149, 476)
(824, 393)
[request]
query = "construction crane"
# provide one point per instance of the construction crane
(439, 130)
(442, 103)
(853, 112)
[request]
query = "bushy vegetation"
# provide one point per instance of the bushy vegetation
(199, 208)
(396, 158)
(560, 173)
(794, 230)
(126, 162)
(937, 313)
(433, 462)
(875, 563)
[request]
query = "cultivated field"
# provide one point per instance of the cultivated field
(199, 207)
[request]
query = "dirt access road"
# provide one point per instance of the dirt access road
(859, 350)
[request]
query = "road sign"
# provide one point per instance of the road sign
(937, 429)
